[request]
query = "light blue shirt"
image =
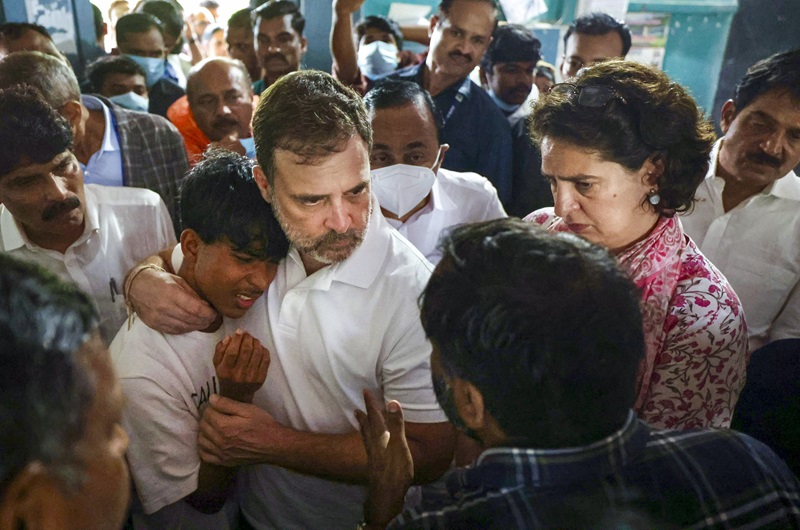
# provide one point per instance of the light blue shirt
(105, 165)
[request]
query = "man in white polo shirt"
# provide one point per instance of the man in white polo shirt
(746, 218)
(89, 234)
(341, 316)
(418, 197)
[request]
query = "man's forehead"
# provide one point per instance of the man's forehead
(220, 77)
(276, 25)
(413, 113)
(778, 103)
(474, 10)
(27, 166)
(150, 38)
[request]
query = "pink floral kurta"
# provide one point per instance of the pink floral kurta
(695, 332)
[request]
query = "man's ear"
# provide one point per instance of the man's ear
(304, 46)
(190, 245)
(72, 110)
(469, 404)
(33, 501)
(727, 116)
(432, 26)
(262, 182)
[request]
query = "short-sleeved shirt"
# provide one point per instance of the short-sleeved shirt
(756, 245)
(347, 327)
(456, 198)
(122, 227)
(477, 132)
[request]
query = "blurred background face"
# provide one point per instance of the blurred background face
(216, 46)
(586, 50)
(115, 84)
(147, 44)
(280, 48)
(241, 46)
(404, 135)
(459, 40)
(512, 81)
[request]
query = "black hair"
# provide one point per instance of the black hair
(511, 43)
(98, 70)
(600, 24)
(136, 23)
(280, 8)
(380, 23)
(241, 19)
(220, 200)
(12, 31)
(544, 325)
(658, 118)
(209, 32)
(47, 396)
(392, 93)
(779, 72)
(166, 12)
(30, 129)
(209, 4)
(97, 15)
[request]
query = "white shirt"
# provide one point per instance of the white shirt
(756, 245)
(167, 380)
(122, 227)
(455, 198)
(105, 165)
(348, 326)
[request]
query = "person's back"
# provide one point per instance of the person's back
(228, 254)
(537, 339)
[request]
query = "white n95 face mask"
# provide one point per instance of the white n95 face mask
(401, 187)
(377, 58)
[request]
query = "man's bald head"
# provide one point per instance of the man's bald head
(220, 96)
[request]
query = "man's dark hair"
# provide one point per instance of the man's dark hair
(54, 79)
(241, 19)
(136, 23)
(280, 8)
(97, 15)
(648, 116)
(111, 64)
(48, 392)
(779, 72)
(380, 23)
(220, 200)
(12, 31)
(600, 24)
(393, 93)
(209, 4)
(166, 13)
(30, 129)
(511, 43)
(310, 114)
(545, 325)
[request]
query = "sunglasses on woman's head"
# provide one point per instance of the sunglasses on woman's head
(594, 96)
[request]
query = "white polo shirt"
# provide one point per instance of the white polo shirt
(756, 245)
(456, 198)
(349, 326)
(122, 227)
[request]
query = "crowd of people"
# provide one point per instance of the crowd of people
(240, 294)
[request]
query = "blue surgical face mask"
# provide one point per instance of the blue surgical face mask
(377, 58)
(507, 107)
(154, 67)
(249, 145)
(131, 101)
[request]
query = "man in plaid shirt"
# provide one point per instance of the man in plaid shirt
(536, 342)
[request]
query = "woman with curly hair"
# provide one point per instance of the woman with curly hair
(624, 149)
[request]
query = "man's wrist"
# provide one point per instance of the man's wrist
(126, 288)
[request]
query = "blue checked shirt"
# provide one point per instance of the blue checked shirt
(636, 478)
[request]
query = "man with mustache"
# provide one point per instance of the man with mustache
(217, 108)
(747, 216)
(476, 130)
(280, 43)
(89, 234)
(340, 315)
(507, 73)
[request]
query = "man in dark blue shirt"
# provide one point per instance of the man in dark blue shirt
(477, 132)
(537, 339)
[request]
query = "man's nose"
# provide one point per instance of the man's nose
(261, 275)
(774, 144)
(339, 219)
(56, 189)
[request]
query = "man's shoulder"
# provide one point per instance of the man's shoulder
(123, 196)
(467, 181)
(407, 73)
(132, 119)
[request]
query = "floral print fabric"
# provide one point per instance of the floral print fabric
(695, 332)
